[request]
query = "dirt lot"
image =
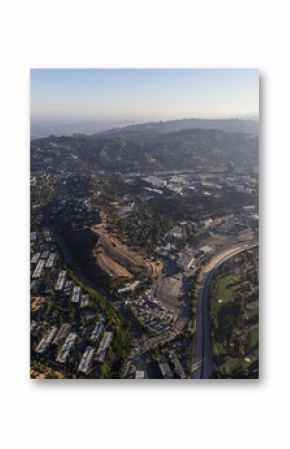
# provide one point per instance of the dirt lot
(36, 302)
(116, 259)
(45, 373)
(169, 290)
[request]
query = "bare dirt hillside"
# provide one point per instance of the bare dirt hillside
(116, 259)
(96, 252)
(36, 302)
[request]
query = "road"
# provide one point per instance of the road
(203, 363)
(143, 347)
(202, 367)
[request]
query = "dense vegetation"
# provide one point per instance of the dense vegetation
(150, 220)
(197, 148)
(234, 317)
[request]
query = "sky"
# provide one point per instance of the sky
(144, 94)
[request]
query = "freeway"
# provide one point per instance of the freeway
(203, 363)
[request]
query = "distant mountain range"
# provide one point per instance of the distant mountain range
(64, 126)
(180, 144)
(228, 125)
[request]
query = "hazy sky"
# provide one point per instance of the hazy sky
(144, 94)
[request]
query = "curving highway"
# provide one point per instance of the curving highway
(203, 363)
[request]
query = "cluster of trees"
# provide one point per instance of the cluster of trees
(150, 220)
(234, 320)
(146, 151)
(196, 147)
(122, 341)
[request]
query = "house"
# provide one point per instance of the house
(129, 287)
(60, 281)
(97, 331)
(46, 340)
(50, 261)
(62, 333)
(84, 301)
(165, 369)
(35, 258)
(76, 295)
(87, 359)
(67, 347)
(33, 236)
(104, 346)
(38, 270)
(177, 365)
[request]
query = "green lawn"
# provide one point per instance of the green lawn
(224, 290)
(252, 341)
(236, 339)
(252, 309)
